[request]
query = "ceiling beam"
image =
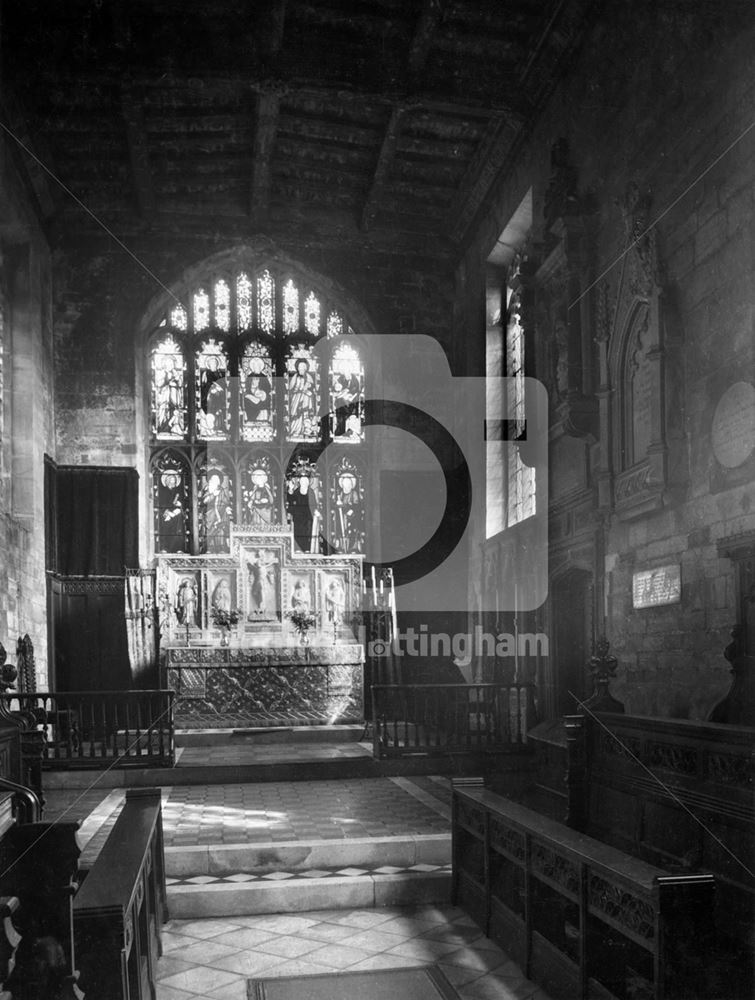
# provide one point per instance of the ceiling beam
(486, 163)
(268, 107)
(385, 158)
(288, 87)
(138, 151)
(419, 50)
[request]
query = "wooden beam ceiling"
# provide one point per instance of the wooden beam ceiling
(268, 107)
(385, 158)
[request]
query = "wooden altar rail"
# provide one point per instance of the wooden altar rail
(98, 729)
(411, 719)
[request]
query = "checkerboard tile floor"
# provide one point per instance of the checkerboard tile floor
(214, 958)
(310, 873)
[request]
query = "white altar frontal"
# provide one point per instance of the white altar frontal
(261, 671)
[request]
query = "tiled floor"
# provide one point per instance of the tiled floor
(298, 810)
(214, 959)
(283, 811)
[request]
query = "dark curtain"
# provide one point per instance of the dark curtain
(95, 520)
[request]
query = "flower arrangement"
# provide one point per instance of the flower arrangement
(225, 618)
(302, 620)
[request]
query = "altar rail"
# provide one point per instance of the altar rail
(98, 729)
(413, 719)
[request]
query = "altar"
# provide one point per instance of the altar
(261, 636)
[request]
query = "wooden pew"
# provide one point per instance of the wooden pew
(122, 904)
(39, 865)
(583, 919)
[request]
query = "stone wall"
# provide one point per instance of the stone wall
(28, 416)
(670, 116)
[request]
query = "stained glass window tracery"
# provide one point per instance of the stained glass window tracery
(234, 380)
(290, 308)
(201, 310)
(244, 302)
(222, 305)
(334, 325)
(312, 315)
(265, 302)
(179, 318)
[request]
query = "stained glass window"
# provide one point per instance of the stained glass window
(244, 302)
(265, 302)
(290, 308)
(222, 306)
(521, 478)
(312, 315)
(346, 508)
(168, 390)
(335, 325)
(256, 394)
(346, 395)
(178, 317)
(302, 396)
(235, 378)
(212, 392)
(201, 310)
(170, 503)
(260, 493)
(304, 505)
(215, 506)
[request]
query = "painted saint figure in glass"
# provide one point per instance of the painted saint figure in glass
(260, 499)
(217, 510)
(302, 402)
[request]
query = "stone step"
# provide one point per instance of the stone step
(314, 890)
(296, 856)
(281, 734)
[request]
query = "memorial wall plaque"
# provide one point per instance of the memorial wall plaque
(654, 587)
(733, 430)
